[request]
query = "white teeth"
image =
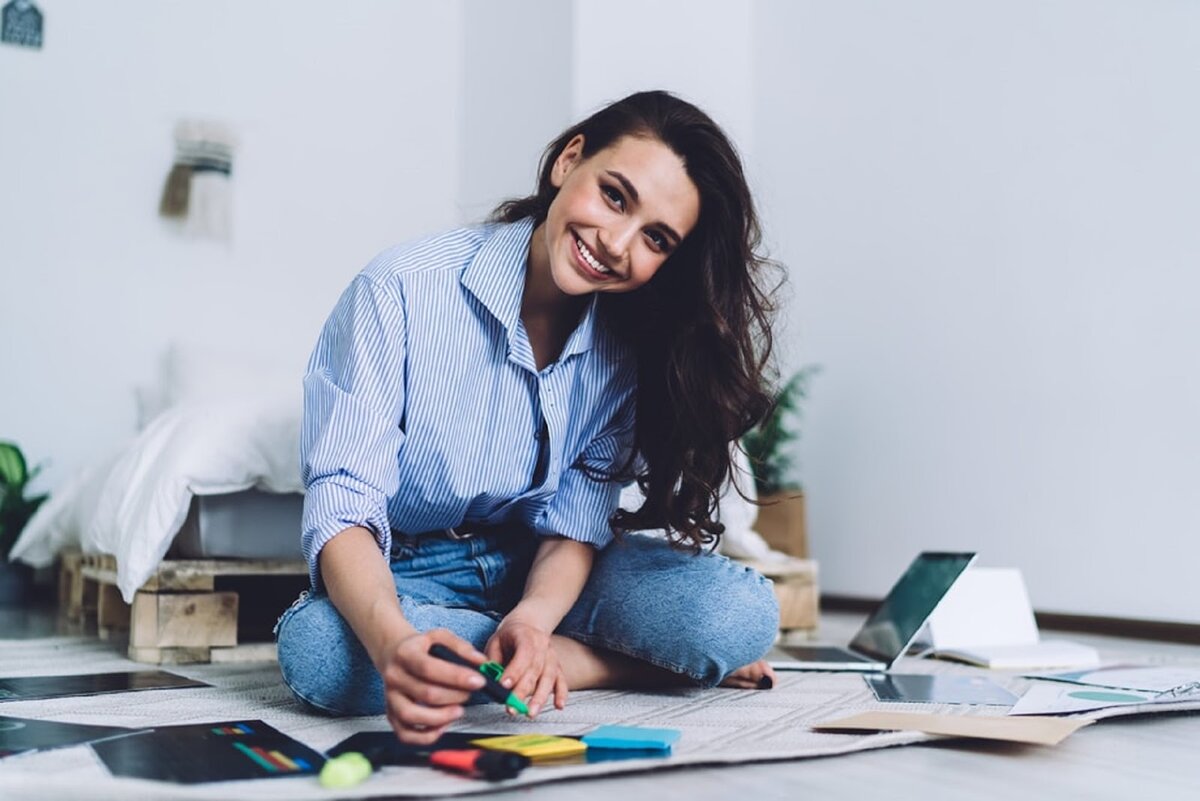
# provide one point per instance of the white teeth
(590, 259)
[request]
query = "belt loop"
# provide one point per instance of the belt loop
(462, 532)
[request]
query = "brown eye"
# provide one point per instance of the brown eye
(613, 196)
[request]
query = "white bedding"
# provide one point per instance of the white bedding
(133, 503)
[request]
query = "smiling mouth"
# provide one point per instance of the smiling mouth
(591, 261)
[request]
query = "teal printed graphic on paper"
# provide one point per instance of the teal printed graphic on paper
(1116, 698)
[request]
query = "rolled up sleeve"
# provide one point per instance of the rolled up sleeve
(582, 505)
(353, 412)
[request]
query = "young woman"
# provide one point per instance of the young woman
(475, 402)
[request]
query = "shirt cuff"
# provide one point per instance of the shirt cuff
(581, 509)
(331, 507)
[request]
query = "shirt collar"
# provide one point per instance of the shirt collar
(496, 277)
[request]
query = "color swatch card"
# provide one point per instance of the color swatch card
(32, 688)
(18, 735)
(209, 752)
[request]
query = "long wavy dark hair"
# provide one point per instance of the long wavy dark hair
(700, 328)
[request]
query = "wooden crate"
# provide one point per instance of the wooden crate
(193, 610)
(797, 589)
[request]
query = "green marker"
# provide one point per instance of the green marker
(491, 673)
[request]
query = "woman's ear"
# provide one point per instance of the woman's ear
(567, 160)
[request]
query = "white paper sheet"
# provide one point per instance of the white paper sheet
(1044, 698)
(1178, 680)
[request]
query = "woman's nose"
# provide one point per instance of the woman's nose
(618, 241)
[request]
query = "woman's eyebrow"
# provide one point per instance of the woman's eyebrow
(633, 193)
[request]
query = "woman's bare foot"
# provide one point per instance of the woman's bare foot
(588, 668)
(755, 676)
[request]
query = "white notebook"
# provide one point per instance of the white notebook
(986, 619)
(1043, 654)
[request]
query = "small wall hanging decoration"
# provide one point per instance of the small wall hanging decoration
(21, 24)
(198, 188)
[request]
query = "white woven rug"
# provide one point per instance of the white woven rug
(719, 726)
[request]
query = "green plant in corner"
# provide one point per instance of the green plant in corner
(768, 445)
(15, 507)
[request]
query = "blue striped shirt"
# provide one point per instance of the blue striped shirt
(423, 405)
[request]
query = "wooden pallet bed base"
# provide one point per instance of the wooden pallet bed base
(179, 616)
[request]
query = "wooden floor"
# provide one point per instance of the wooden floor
(1132, 758)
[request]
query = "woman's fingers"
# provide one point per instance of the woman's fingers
(417, 724)
(414, 736)
(493, 650)
(542, 690)
(425, 693)
(416, 716)
(456, 644)
(416, 666)
(530, 670)
(560, 691)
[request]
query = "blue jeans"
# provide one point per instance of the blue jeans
(701, 616)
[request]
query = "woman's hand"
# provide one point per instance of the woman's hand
(531, 666)
(425, 694)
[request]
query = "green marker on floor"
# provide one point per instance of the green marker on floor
(491, 673)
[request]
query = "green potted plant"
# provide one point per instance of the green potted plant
(15, 510)
(771, 450)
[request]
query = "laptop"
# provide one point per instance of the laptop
(893, 625)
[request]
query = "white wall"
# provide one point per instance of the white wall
(699, 50)
(515, 99)
(349, 124)
(991, 213)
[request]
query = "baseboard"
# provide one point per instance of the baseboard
(1132, 628)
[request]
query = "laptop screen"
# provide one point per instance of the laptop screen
(893, 625)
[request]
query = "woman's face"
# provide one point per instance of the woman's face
(618, 214)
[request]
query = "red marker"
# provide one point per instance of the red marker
(476, 762)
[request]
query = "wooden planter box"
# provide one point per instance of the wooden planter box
(781, 522)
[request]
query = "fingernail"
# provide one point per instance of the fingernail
(508, 683)
(477, 682)
(765, 683)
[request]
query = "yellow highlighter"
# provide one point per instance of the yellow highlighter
(538, 747)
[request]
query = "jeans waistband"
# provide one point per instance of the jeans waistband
(463, 531)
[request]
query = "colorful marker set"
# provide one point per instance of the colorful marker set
(274, 761)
